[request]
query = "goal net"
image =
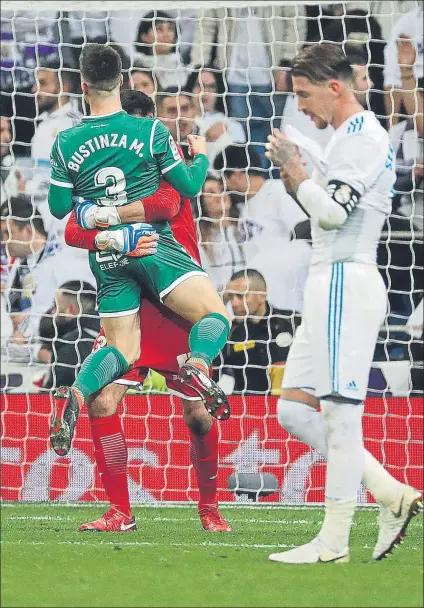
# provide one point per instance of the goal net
(217, 69)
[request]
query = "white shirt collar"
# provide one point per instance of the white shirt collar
(62, 111)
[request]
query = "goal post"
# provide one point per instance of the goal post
(251, 442)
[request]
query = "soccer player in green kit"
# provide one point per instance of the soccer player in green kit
(114, 159)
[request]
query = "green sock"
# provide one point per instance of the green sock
(208, 336)
(99, 369)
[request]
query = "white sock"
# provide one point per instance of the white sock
(345, 468)
(307, 424)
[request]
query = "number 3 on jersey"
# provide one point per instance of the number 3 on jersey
(114, 182)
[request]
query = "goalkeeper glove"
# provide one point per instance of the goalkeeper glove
(135, 240)
(91, 216)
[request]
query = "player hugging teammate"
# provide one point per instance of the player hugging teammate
(114, 159)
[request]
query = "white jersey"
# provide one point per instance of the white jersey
(359, 160)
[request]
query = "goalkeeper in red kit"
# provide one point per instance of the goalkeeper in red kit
(164, 347)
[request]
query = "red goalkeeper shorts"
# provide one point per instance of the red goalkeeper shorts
(164, 348)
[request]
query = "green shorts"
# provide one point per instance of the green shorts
(123, 281)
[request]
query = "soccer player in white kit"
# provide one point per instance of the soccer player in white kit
(348, 200)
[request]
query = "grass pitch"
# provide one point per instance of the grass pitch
(171, 561)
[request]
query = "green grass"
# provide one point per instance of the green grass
(171, 561)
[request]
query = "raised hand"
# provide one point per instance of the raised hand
(196, 145)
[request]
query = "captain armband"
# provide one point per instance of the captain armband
(343, 194)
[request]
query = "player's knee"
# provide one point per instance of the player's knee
(103, 405)
(196, 417)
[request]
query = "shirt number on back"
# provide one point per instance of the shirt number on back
(114, 182)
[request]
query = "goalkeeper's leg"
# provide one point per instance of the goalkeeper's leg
(197, 301)
(99, 369)
(298, 414)
(204, 457)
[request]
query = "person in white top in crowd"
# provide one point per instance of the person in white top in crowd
(268, 214)
(56, 112)
(208, 89)
(409, 26)
(328, 366)
(155, 47)
(407, 137)
(40, 266)
(220, 249)
(249, 42)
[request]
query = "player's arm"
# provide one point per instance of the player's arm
(61, 186)
(187, 180)
(354, 164)
(161, 206)
(137, 240)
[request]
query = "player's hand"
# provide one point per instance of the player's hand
(280, 149)
(196, 145)
(91, 216)
(135, 240)
(283, 153)
(406, 52)
(215, 131)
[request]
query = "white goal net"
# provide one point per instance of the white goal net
(218, 69)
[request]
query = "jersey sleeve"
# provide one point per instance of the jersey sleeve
(356, 161)
(59, 174)
(163, 147)
(61, 186)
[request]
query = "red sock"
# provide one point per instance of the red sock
(204, 456)
(110, 450)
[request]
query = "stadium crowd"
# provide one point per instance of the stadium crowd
(223, 74)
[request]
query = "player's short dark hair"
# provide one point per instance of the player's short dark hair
(21, 210)
(81, 292)
(238, 158)
(137, 103)
(252, 275)
(321, 62)
(100, 66)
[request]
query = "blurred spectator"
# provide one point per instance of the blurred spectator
(57, 111)
(283, 87)
(407, 140)
(260, 337)
(67, 332)
(39, 268)
(409, 25)
(321, 15)
(268, 213)
(208, 91)
(248, 42)
(142, 80)
(220, 251)
(175, 109)
(5, 148)
(156, 49)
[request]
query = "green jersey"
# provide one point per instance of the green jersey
(117, 159)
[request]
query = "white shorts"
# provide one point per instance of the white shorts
(344, 308)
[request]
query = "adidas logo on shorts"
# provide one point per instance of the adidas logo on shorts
(352, 386)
